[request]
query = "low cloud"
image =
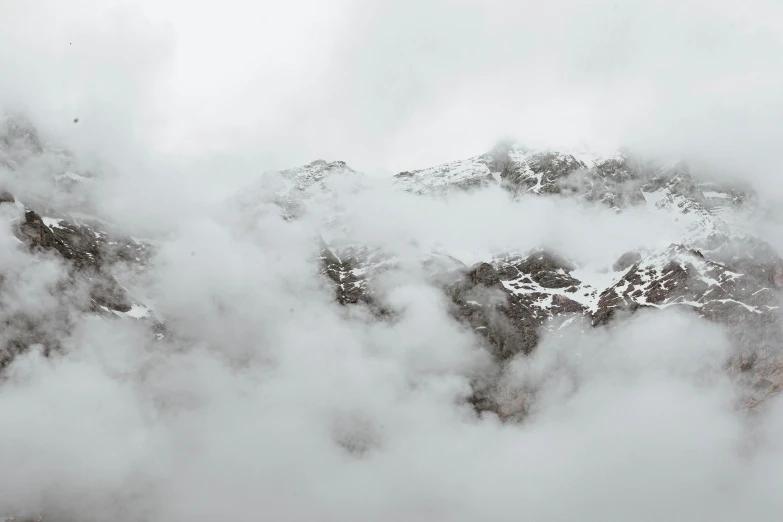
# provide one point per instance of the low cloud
(268, 399)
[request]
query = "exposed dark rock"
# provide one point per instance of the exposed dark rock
(88, 286)
(540, 173)
(72, 243)
(484, 274)
(350, 288)
(547, 269)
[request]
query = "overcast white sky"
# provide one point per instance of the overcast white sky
(394, 85)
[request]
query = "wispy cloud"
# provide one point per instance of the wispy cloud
(268, 399)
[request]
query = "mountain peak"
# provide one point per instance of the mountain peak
(326, 164)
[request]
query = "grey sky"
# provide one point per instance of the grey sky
(394, 85)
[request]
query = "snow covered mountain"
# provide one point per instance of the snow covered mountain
(510, 299)
(713, 269)
(92, 252)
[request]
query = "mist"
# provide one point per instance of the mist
(268, 399)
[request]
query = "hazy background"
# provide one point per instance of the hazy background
(394, 85)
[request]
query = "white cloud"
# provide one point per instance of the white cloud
(247, 408)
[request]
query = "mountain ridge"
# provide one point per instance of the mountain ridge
(510, 299)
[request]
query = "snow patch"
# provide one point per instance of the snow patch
(52, 222)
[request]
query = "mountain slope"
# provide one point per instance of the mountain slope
(510, 299)
(708, 269)
(88, 251)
